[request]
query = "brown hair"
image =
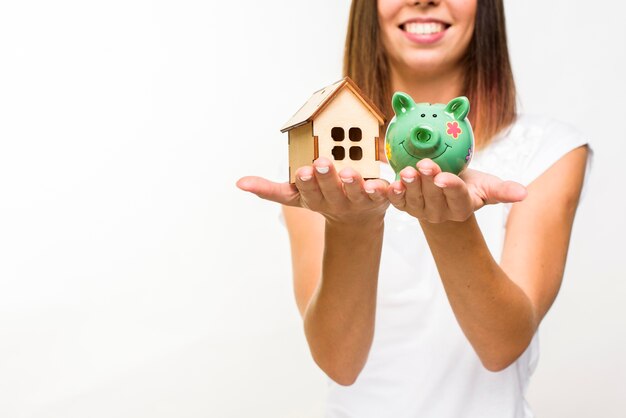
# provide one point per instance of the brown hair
(489, 81)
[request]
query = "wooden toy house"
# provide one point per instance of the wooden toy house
(338, 122)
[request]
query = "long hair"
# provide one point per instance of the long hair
(488, 81)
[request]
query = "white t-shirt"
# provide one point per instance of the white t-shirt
(421, 365)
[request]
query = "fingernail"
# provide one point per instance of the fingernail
(370, 191)
(322, 169)
(426, 171)
(398, 191)
(347, 179)
(408, 179)
(442, 185)
(305, 178)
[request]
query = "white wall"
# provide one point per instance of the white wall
(137, 281)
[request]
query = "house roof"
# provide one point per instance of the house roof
(318, 101)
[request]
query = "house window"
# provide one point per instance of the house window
(356, 153)
(339, 153)
(355, 134)
(338, 134)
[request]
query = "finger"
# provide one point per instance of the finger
(412, 183)
(506, 192)
(492, 190)
(284, 193)
(310, 192)
(376, 189)
(396, 194)
(457, 195)
(328, 181)
(353, 185)
(434, 200)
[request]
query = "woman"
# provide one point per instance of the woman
(440, 321)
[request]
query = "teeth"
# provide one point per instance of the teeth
(424, 28)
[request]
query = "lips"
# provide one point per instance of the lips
(424, 30)
(424, 23)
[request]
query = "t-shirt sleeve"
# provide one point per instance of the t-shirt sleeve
(557, 140)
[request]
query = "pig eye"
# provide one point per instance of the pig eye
(423, 115)
(434, 115)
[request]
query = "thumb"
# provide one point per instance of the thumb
(507, 192)
(283, 193)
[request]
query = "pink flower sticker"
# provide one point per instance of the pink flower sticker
(453, 129)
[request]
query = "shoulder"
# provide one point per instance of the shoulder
(552, 140)
(532, 144)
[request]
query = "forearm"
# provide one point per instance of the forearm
(495, 314)
(339, 320)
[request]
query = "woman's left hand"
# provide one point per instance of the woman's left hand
(434, 196)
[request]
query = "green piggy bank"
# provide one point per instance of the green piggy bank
(436, 131)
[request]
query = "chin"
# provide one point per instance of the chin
(427, 64)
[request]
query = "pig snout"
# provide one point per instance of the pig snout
(424, 141)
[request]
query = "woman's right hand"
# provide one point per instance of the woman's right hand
(342, 198)
(336, 259)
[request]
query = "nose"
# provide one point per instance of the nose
(425, 3)
(423, 141)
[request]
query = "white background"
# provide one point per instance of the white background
(137, 281)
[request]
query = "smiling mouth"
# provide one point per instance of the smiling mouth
(424, 28)
(421, 158)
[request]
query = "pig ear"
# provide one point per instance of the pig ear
(459, 107)
(402, 103)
